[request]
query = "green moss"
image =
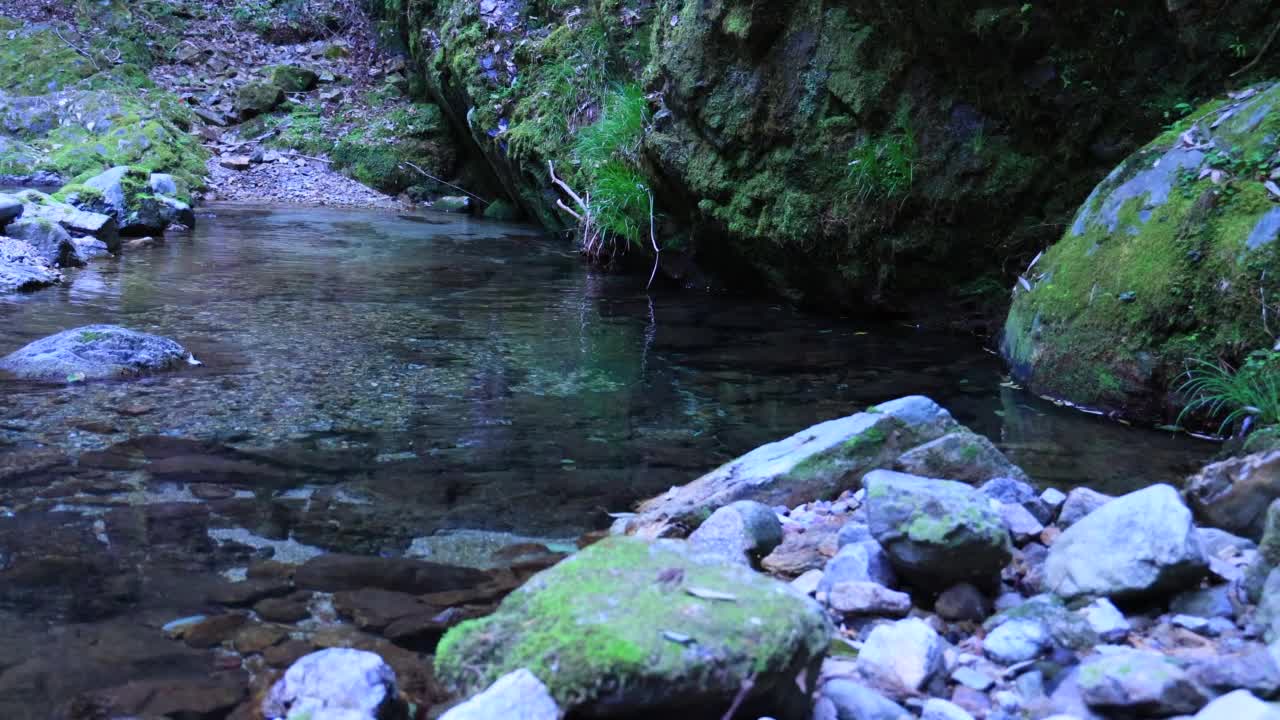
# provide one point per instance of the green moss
(596, 622)
(91, 336)
(292, 78)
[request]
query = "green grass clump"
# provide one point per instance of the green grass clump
(607, 154)
(1252, 391)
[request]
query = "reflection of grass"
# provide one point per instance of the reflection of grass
(543, 383)
(1251, 391)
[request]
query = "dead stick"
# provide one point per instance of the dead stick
(73, 47)
(445, 182)
(741, 697)
(1265, 47)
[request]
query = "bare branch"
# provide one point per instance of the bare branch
(444, 182)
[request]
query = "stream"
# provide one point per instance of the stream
(420, 384)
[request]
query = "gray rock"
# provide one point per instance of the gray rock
(93, 352)
(936, 532)
(119, 192)
(867, 598)
(1138, 681)
(75, 221)
(1190, 622)
(743, 532)
(1064, 628)
(517, 696)
(1239, 705)
(808, 582)
(855, 701)
(962, 602)
(22, 268)
(1137, 545)
(821, 461)
(163, 184)
(1079, 503)
(1207, 603)
(853, 532)
(1252, 669)
(1268, 554)
(1030, 686)
(88, 248)
(10, 209)
(939, 709)
(1023, 526)
(336, 684)
(51, 243)
(1267, 615)
(863, 561)
(1013, 491)
(1220, 542)
(905, 654)
(1017, 641)
(960, 455)
(1067, 701)
(1234, 494)
(113, 199)
(973, 679)
(1106, 620)
(1053, 498)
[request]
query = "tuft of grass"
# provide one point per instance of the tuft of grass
(620, 201)
(1252, 391)
(607, 152)
(619, 130)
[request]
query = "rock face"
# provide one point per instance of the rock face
(336, 684)
(814, 463)
(1136, 545)
(516, 696)
(664, 622)
(94, 352)
(22, 268)
(1234, 494)
(1162, 263)
(936, 532)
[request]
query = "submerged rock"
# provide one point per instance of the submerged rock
(1136, 545)
(1234, 494)
(94, 352)
(819, 462)
(22, 268)
(936, 532)
(627, 625)
(336, 684)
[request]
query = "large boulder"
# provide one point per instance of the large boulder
(93, 352)
(1136, 545)
(936, 532)
(1234, 494)
(77, 222)
(52, 243)
(633, 626)
(10, 209)
(22, 268)
(336, 684)
(1137, 681)
(293, 78)
(516, 696)
(257, 98)
(819, 462)
(1165, 261)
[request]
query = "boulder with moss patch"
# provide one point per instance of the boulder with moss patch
(819, 462)
(936, 532)
(632, 626)
(294, 78)
(1165, 263)
(52, 243)
(126, 194)
(93, 352)
(22, 268)
(257, 98)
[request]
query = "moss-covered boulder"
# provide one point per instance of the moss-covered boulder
(629, 625)
(126, 193)
(937, 533)
(294, 78)
(815, 463)
(257, 98)
(1171, 260)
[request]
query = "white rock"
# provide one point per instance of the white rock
(1053, 497)
(1239, 705)
(334, 684)
(1105, 619)
(867, 598)
(808, 582)
(907, 653)
(1016, 641)
(1023, 526)
(939, 709)
(515, 696)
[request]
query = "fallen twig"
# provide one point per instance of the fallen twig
(653, 238)
(77, 49)
(445, 182)
(747, 686)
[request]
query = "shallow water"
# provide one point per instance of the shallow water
(370, 379)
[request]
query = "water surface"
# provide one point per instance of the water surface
(371, 378)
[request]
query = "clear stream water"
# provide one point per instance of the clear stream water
(372, 378)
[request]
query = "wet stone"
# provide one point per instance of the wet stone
(249, 592)
(292, 608)
(213, 631)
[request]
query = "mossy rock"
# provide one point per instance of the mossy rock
(257, 98)
(629, 625)
(1165, 263)
(294, 78)
(502, 210)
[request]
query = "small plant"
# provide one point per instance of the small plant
(1252, 391)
